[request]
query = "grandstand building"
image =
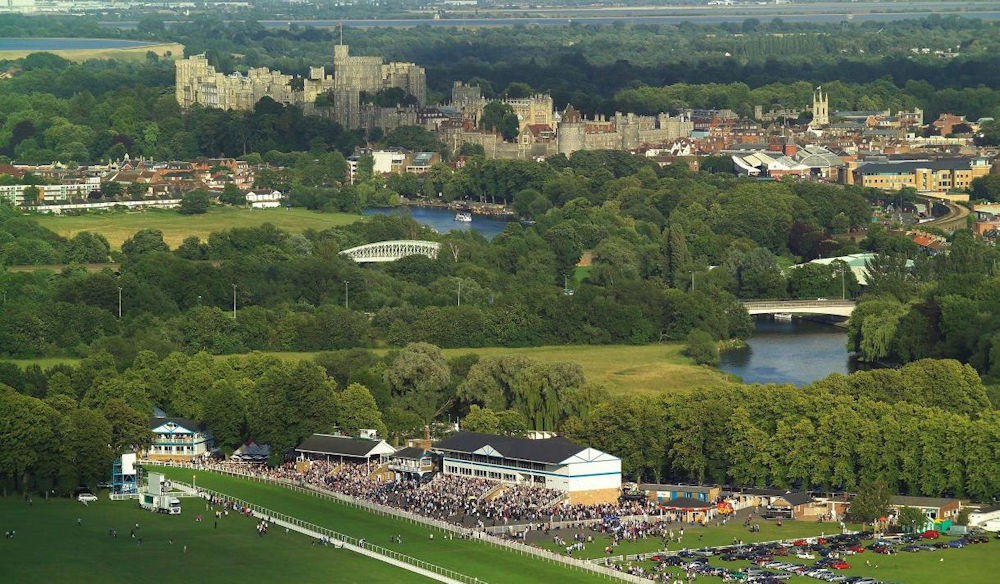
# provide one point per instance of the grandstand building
(343, 448)
(586, 475)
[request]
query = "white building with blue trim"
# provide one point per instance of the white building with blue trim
(177, 439)
(585, 474)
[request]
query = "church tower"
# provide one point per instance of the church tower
(821, 108)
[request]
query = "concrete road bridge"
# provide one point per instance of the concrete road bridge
(390, 251)
(817, 306)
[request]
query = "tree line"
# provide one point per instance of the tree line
(652, 235)
(928, 428)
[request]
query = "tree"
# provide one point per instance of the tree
(111, 189)
(290, 401)
(500, 117)
(232, 195)
(356, 409)
(911, 519)
(678, 257)
(512, 423)
(31, 195)
(224, 413)
(700, 346)
(872, 501)
(414, 138)
(482, 420)
(137, 191)
(143, 242)
(194, 203)
(130, 430)
(90, 442)
(88, 248)
(417, 378)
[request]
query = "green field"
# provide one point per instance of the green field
(711, 536)
(492, 565)
(648, 369)
(162, 50)
(119, 226)
(51, 548)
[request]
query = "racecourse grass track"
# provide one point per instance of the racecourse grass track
(117, 226)
(50, 548)
(494, 565)
(977, 564)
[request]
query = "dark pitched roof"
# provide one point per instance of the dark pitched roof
(796, 497)
(156, 422)
(337, 445)
(905, 501)
(550, 450)
(989, 509)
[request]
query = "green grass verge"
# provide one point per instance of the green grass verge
(50, 548)
(714, 535)
(119, 226)
(491, 564)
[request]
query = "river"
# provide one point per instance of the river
(443, 220)
(797, 352)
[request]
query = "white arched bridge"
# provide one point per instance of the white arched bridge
(817, 306)
(390, 251)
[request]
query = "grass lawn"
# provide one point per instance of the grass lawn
(493, 565)
(162, 50)
(51, 548)
(711, 536)
(649, 369)
(119, 226)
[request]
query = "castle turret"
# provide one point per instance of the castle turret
(572, 132)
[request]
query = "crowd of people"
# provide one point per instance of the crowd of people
(460, 500)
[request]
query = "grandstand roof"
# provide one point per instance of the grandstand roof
(348, 446)
(550, 450)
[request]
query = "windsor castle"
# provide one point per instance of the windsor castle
(199, 83)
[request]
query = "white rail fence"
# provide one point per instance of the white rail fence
(312, 529)
(386, 511)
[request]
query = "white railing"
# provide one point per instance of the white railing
(271, 515)
(386, 511)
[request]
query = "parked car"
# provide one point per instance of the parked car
(86, 497)
(931, 534)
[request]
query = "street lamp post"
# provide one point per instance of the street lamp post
(234, 301)
(460, 292)
(119, 303)
(347, 295)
